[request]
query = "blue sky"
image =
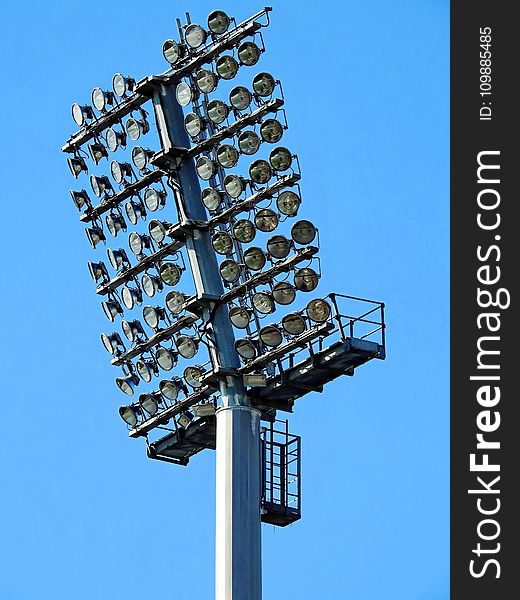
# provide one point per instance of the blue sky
(85, 514)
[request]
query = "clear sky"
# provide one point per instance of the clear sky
(84, 513)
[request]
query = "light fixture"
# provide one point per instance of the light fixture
(153, 315)
(98, 271)
(131, 296)
(127, 384)
(97, 151)
(115, 223)
(113, 343)
(227, 67)
(132, 330)
(217, 111)
(288, 203)
(175, 302)
(129, 415)
(154, 199)
(170, 388)
(122, 85)
(81, 199)
(193, 124)
(157, 230)
(254, 258)
(184, 94)
(118, 258)
(141, 157)
(187, 346)
(185, 418)
(303, 232)
(239, 316)
(77, 165)
(271, 336)
(150, 403)
(234, 186)
(195, 36)
(115, 139)
(138, 242)
(244, 231)
(271, 131)
(218, 22)
(293, 324)
(95, 235)
(205, 168)
(248, 54)
(263, 84)
(260, 171)
(204, 409)
(248, 142)
(222, 242)
(230, 270)
(170, 273)
(102, 99)
(245, 349)
(227, 156)
(165, 358)
(82, 113)
(318, 310)
(266, 220)
(193, 376)
(172, 52)
(240, 98)
(280, 159)
(111, 308)
(306, 279)
(136, 127)
(120, 171)
(206, 81)
(263, 303)
(100, 185)
(135, 211)
(211, 198)
(284, 293)
(278, 246)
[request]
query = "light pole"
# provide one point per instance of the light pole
(221, 401)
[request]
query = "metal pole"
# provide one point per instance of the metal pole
(238, 469)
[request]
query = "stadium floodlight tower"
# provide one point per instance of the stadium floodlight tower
(225, 391)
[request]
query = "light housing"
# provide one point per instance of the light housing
(244, 231)
(217, 112)
(271, 336)
(115, 139)
(234, 186)
(206, 81)
(98, 271)
(303, 232)
(175, 302)
(222, 242)
(271, 131)
(254, 258)
(260, 171)
(249, 142)
(170, 388)
(227, 67)
(205, 168)
(95, 235)
(129, 415)
(77, 165)
(263, 303)
(97, 151)
(151, 284)
(141, 157)
(154, 199)
(111, 308)
(157, 230)
(280, 159)
(184, 93)
(195, 36)
(239, 316)
(318, 310)
(306, 279)
(122, 85)
(101, 99)
(288, 203)
(135, 211)
(284, 293)
(245, 349)
(211, 198)
(120, 171)
(81, 199)
(185, 418)
(131, 296)
(266, 220)
(293, 324)
(230, 270)
(150, 403)
(227, 156)
(115, 223)
(81, 113)
(264, 84)
(248, 53)
(278, 246)
(127, 384)
(135, 128)
(170, 273)
(193, 375)
(112, 343)
(240, 98)
(133, 330)
(153, 315)
(218, 22)
(193, 124)
(172, 52)
(118, 258)
(187, 346)
(166, 359)
(101, 185)
(138, 242)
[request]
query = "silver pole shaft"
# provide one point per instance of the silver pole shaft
(238, 489)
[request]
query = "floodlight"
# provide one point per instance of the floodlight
(278, 246)
(154, 199)
(100, 185)
(111, 308)
(170, 273)
(157, 230)
(239, 316)
(82, 113)
(185, 418)
(113, 343)
(102, 99)
(132, 330)
(165, 358)
(240, 97)
(248, 142)
(141, 157)
(170, 388)
(115, 139)
(205, 168)
(127, 384)
(172, 52)
(211, 198)
(120, 171)
(150, 403)
(217, 111)
(134, 211)
(266, 220)
(195, 36)
(77, 164)
(131, 296)
(136, 127)
(122, 85)
(95, 235)
(248, 54)
(288, 203)
(184, 94)
(280, 159)
(98, 271)
(222, 242)
(234, 185)
(306, 279)
(187, 346)
(245, 349)
(81, 199)
(230, 270)
(227, 67)
(260, 171)
(218, 22)
(151, 285)
(129, 415)
(293, 324)
(138, 242)
(318, 310)
(193, 375)
(193, 124)
(303, 232)
(175, 302)
(254, 258)
(264, 84)
(244, 231)
(153, 315)
(271, 336)
(284, 293)
(97, 152)
(118, 258)
(204, 409)
(263, 303)
(206, 81)
(115, 223)
(271, 131)
(227, 156)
